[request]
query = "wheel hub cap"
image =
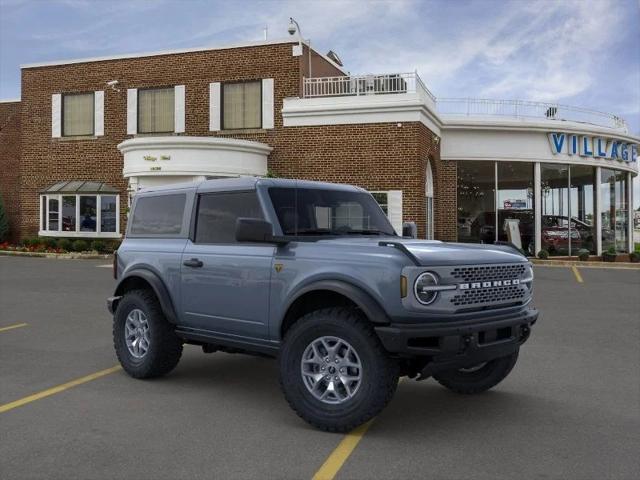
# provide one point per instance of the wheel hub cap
(331, 370)
(136, 333)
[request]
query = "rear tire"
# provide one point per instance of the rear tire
(352, 341)
(145, 342)
(479, 379)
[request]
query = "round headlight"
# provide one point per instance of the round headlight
(423, 288)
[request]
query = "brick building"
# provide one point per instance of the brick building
(87, 134)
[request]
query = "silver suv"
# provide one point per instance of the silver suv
(313, 274)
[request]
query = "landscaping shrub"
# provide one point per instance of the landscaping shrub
(112, 246)
(610, 255)
(583, 254)
(80, 246)
(49, 242)
(4, 223)
(65, 244)
(635, 256)
(30, 242)
(543, 254)
(98, 245)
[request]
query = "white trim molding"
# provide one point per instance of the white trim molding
(132, 111)
(214, 107)
(98, 113)
(160, 52)
(537, 208)
(394, 209)
(598, 212)
(392, 108)
(56, 115)
(267, 103)
(630, 214)
(193, 156)
(179, 108)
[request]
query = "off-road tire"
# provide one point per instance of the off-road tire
(165, 347)
(380, 373)
(480, 380)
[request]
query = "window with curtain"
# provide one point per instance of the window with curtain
(156, 110)
(77, 114)
(241, 105)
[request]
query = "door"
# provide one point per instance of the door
(225, 284)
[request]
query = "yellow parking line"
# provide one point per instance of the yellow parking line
(334, 463)
(11, 327)
(60, 388)
(577, 274)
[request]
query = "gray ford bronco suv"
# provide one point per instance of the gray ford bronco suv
(314, 274)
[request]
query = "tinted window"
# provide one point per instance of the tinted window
(311, 211)
(161, 215)
(218, 212)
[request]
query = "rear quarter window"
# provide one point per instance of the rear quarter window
(158, 215)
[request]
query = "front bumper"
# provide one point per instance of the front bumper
(459, 344)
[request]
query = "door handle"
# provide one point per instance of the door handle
(194, 263)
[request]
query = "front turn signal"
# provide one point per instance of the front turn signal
(403, 286)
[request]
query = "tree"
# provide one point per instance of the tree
(4, 223)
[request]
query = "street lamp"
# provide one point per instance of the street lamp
(293, 28)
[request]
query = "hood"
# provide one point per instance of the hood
(430, 253)
(434, 253)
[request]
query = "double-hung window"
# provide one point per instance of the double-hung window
(242, 105)
(156, 110)
(78, 114)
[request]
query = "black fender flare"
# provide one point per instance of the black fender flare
(364, 301)
(158, 286)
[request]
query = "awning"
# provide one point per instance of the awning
(80, 186)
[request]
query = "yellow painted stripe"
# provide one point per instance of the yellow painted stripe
(334, 463)
(11, 327)
(60, 388)
(577, 274)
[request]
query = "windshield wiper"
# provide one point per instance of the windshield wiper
(312, 231)
(365, 232)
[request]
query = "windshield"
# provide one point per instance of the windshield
(311, 211)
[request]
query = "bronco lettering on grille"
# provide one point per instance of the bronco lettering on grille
(494, 283)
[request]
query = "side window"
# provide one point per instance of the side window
(218, 212)
(159, 215)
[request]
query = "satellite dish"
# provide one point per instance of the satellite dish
(334, 57)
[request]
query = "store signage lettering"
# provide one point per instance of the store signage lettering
(588, 146)
(151, 158)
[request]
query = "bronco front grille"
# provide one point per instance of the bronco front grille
(480, 273)
(492, 295)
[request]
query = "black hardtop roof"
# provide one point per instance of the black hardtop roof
(246, 183)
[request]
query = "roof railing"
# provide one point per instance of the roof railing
(528, 109)
(399, 83)
(357, 85)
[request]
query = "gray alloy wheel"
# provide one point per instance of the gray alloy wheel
(331, 370)
(136, 333)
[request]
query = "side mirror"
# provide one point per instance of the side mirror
(410, 230)
(253, 230)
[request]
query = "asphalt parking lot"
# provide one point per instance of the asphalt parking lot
(570, 409)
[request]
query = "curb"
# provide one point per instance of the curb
(59, 256)
(577, 263)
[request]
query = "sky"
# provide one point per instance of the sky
(577, 52)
